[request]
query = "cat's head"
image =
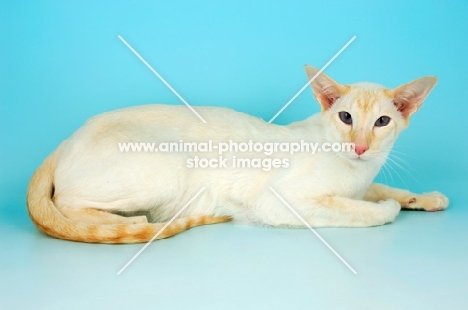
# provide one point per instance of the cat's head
(366, 114)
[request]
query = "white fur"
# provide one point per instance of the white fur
(327, 189)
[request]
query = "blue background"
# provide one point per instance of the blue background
(61, 63)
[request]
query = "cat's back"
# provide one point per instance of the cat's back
(94, 149)
(169, 121)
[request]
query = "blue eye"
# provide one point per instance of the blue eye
(382, 121)
(345, 117)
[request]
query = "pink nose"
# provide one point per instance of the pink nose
(360, 149)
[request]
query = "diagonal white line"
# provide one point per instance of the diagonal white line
(313, 230)
(162, 79)
(161, 230)
(313, 78)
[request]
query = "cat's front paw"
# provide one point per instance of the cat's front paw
(390, 209)
(434, 201)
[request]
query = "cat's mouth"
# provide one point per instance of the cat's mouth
(361, 158)
(366, 157)
(358, 158)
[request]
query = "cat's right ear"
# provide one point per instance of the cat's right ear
(326, 91)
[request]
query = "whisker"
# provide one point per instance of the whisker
(385, 170)
(381, 157)
(403, 162)
(394, 150)
(404, 166)
(387, 165)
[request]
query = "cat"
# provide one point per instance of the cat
(88, 190)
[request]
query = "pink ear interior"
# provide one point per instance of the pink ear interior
(326, 91)
(405, 106)
(326, 94)
(408, 98)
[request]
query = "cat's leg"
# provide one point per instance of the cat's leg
(434, 201)
(94, 216)
(330, 211)
(347, 212)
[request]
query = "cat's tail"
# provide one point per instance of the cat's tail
(51, 221)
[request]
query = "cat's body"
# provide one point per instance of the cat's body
(77, 190)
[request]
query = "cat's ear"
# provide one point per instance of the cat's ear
(408, 98)
(326, 91)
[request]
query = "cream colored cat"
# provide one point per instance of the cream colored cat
(88, 190)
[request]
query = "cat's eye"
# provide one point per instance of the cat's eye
(382, 121)
(345, 117)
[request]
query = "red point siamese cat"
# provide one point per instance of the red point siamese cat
(89, 191)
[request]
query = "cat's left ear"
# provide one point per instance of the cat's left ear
(409, 98)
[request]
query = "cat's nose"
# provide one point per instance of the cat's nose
(360, 149)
